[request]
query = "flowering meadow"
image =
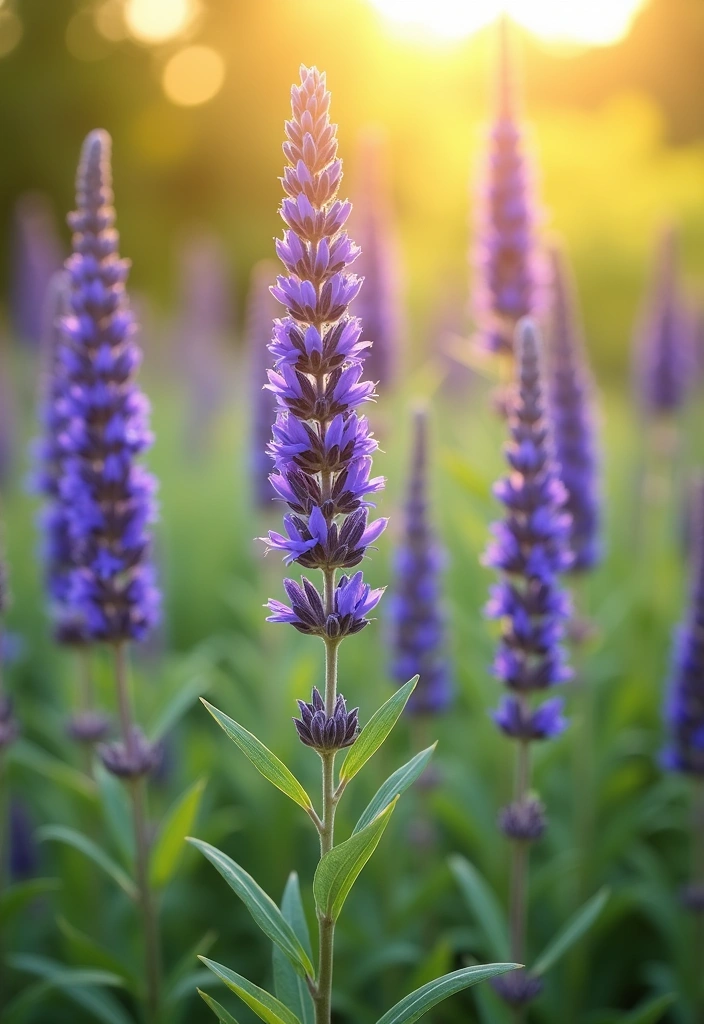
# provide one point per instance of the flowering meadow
(351, 579)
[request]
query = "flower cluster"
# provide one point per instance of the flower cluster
(664, 357)
(684, 710)
(530, 550)
(505, 270)
(321, 446)
(573, 420)
(108, 497)
(417, 638)
(321, 731)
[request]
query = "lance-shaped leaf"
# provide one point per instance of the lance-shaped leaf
(220, 1012)
(262, 758)
(338, 870)
(69, 836)
(413, 1006)
(262, 908)
(483, 904)
(651, 1012)
(289, 986)
(169, 844)
(16, 897)
(266, 1006)
(571, 933)
(396, 784)
(375, 731)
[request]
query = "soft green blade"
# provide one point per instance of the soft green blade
(396, 784)
(289, 986)
(168, 847)
(413, 1006)
(572, 932)
(262, 908)
(375, 731)
(483, 904)
(266, 763)
(220, 1012)
(337, 871)
(266, 1006)
(69, 836)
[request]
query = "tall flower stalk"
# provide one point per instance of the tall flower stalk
(417, 616)
(530, 550)
(109, 497)
(505, 277)
(321, 448)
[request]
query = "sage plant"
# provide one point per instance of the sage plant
(530, 551)
(108, 495)
(417, 615)
(322, 451)
(505, 278)
(573, 419)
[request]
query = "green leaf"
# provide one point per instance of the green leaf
(69, 836)
(289, 986)
(16, 897)
(650, 1012)
(423, 999)
(184, 966)
(396, 784)
(262, 758)
(89, 953)
(338, 870)
(375, 731)
(176, 707)
(29, 755)
(262, 908)
(169, 844)
(263, 1003)
(117, 812)
(483, 904)
(220, 1012)
(81, 985)
(571, 933)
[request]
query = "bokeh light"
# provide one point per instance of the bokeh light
(10, 32)
(156, 21)
(193, 75)
(109, 17)
(598, 22)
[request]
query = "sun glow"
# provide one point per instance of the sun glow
(567, 21)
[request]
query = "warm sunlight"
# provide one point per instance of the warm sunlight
(598, 21)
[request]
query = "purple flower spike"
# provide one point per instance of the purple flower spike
(664, 356)
(321, 445)
(571, 394)
(379, 303)
(261, 313)
(326, 732)
(684, 710)
(417, 619)
(530, 551)
(505, 257)
(109, 498)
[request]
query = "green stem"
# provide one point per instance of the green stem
(137, 789)
(326, 925)
(519, 870)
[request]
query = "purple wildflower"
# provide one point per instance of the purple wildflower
(110, 498)
(36, 258)
(571, 395)
(132, 759)
(321, 446)
(321, 731)
(378, 305)
(505, 256)
(262, 309)
(664, 357)
(684, 712)
(417, 639)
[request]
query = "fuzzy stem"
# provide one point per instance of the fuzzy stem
(326, 925)
(137, 789)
